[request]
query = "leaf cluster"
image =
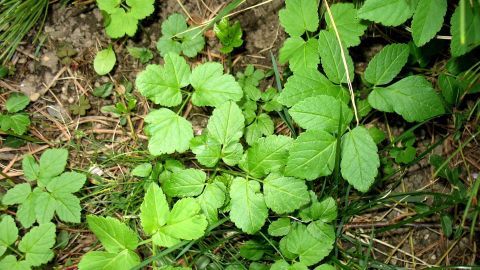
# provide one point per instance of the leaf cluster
(15, 120)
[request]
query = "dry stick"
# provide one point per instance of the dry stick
(344, 60)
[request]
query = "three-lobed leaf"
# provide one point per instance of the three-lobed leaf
(300, 54)
(299, 16)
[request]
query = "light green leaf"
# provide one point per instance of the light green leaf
(207, 151)
(154, 209)
(262, 126)
(141, 9)
(299, 16)
(8, 233)
(321, 113)
(193, 42)
(101, 260)
(104, 61)
(212, 87)
(309, 83)
(169, 132)
(108, 6)
(347, 23)
(388, 13)
(312, 155)
(18, 123)
(44, 208)
(37, 244)
(471, 24)
(360, 160)
(185, 183)
(67, 207)
(212, 198)
(325, 211)
(249, 81)
(232, 153)
(163, 240)
(386, 64)
(114, 235)
(301, 54)
(230, 35)
(142, 170)
(266, 155)
(10, 262)
(284, 194)
(17, 195)
(67, 182)
(142, 54)
(26, 211)
(427, 20)
(325, 267)
(248, 210)
(226, 124)
(162, 84)
(30, 168)
(52, 163)
(412, 97)
(279, 227)
(331, 55)
(16, 102)
(185, 221)
(121, 24)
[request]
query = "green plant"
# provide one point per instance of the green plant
(14, 119)
(142, 54)
(229, 35)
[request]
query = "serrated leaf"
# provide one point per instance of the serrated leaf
(30, 167)
(427, 20)
(26, 210)
(104, 61)
(284, 194)
(312, 155)
(114, 235)
(67, 182)
(262, 126)
(331, 58)
(388, 13)
(212, 198)
(37, 244)
(141, 9)
(279, 227)
(360, 160)
(185, 220)
(248, 211)
(325, 210)
(229, 35)
(266, 155)
(301, 54)
(18, 123)
(347, 23)
(249, 81)
(108, 6)
(207, 151)
(8, 233)
(17, 195)
(386, 64)
(101, 260)
(299, 16)
(226, 123)
(321, 113)
(44, 207)
(163, 240)
(142, 170)
(154, 209)
(471, 26)
(185, 183)
(162, 84)
(412, 97)
(142, 54)
(10, 262)
(212, 87)
(309, 83)
(169, 132)
(68, 207)
(52, 163)
(16, 102)
(121, 23)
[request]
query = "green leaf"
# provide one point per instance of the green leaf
(262, 126)
(44, 208)
(279, 227)
(284, 194)
(162, 84)
(252, 250)
(30, 167)
(309, 83)
(121, 23)
(386, 64)
(212, 198)
(427, 20)
(142, 170)
(248, 210)
(8, 233)
(17, 195)
(185, 183)
(249, 81)
(325, 267)
(471, 26)
(325, 211)
(451, 89)
(101, 260)
(301, 54)
(299, 16)
(212, 87)
(26, 211)
(388, 13)
(331, 55)
(10, 262)
(185, 221)
(108, 6)
(207, 151)
(18, 123)
(104, 61)
(52, 163)
(226, 124)
(360, 160)
(141, 9)
(266, 155)
(142, 54)
(37, 244)
(229, 35)
(312, 155)
(169, 132)
(114, 235)
(283, 265)
(67, 182)
(412, 97)
(16, 102)
(347, 23)
(154, 209)
(67, 207)
(321, 113)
